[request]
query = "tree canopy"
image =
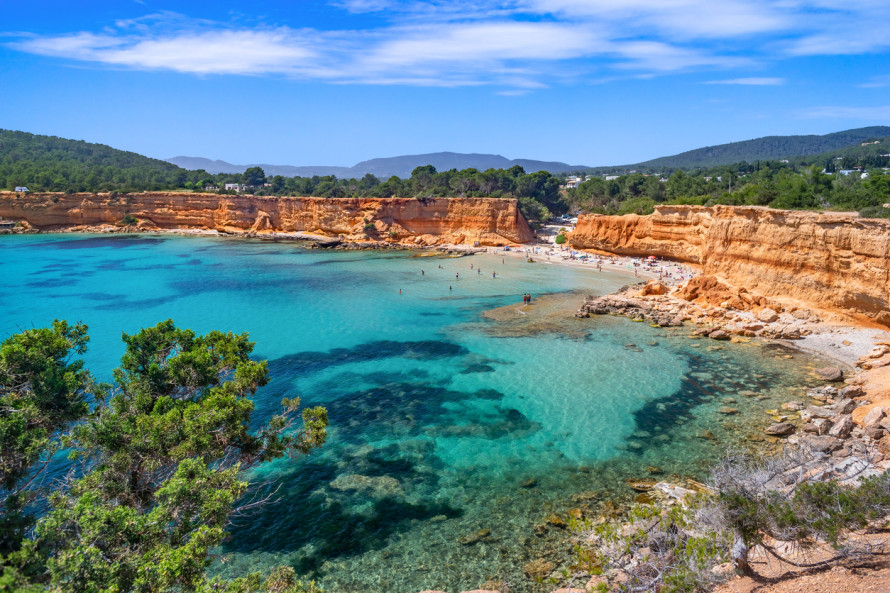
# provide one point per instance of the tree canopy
(156, 465)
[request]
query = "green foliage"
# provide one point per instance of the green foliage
(560, 239)
(162, 459)
(129, 219)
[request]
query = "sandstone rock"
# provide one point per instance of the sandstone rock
(851, 391)
(823, 425)
(873, 418)
(780, 429)
(378, 486)
(842, 427)
(728, 411)
(753, 327)
(539, 569)
(818, 412)
(641, 484)
(823, 393)
(875, 433)
(801, 314)
(821, 444)
(832, 374)
(557, 521)
(473, 538)
(719, 335)
(767, 316)
(653, 288)
(884, 445)
(793, 406)
(844, 406)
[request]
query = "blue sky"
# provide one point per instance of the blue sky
(333, 82)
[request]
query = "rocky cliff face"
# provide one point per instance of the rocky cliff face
(427, 221)
(828, 260)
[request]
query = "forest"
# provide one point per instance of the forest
(849, 179)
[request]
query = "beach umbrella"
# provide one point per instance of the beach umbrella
(652, 257)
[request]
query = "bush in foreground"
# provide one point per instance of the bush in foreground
(157, 464)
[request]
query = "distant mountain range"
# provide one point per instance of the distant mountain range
(383, 168)
(760, 149)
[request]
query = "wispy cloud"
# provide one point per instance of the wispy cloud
(879, 113)
(876, 82)
(513, 44)
(752, 81)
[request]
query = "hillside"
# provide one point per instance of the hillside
(383, 168)
(764, 149)
(59, 164)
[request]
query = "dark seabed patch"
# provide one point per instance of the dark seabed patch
(304, 363)
(115, 242)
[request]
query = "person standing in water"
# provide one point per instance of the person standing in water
(457, 276)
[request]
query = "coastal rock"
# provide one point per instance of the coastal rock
(842, 427)
(822, 425)
(488, 221)
(851, 391)
(780, 429)
(873, 418)
(767, 316)
(844, 406)
(761, 249)
(719, 335)
(473, 538)
(793, 406)
(377, 486)
(818, 412)
(820, 444)
(539, 569)
(832, 374)
(641, 484)
(728, 411)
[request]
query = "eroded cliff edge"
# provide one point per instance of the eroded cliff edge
(833, 261)
(425, 221)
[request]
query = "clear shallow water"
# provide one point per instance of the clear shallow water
(440, 416)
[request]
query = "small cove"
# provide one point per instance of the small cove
(446, 421)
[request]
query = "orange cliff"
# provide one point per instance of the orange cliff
(834, 261)
(424, 221)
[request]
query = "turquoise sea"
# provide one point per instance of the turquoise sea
(460, 421)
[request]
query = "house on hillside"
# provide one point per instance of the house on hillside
(235, 186)
(21, 189)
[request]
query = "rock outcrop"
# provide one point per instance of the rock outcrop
(826, 260)
(425, 221)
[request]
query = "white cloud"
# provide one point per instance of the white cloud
(752, 81)
(880, 113)
(876, 82)
(220, 52)
(514, 44)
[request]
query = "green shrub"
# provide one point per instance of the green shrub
(129, 219)
(560, 239)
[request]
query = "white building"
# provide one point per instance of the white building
(21, 188)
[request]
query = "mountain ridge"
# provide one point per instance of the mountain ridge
(383, 167)
(765, 148)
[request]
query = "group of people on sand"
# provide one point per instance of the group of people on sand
(526, 299)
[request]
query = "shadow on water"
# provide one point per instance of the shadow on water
(116, 242)
(305, 363)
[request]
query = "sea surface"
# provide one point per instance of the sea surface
(461, 421)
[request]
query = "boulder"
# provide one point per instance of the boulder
(793, 406)
(767, 316)
(842, 427)
(873, 418)
(851, 391)
(801, 314)
(780, 429)
(821, 444)
(823, 425)
(719, 335)
(875, 433)
(473, 538)
(884, 445)
(819, 412)
(831, 374)
(539, 569)
(845, 406)
(375, 486)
